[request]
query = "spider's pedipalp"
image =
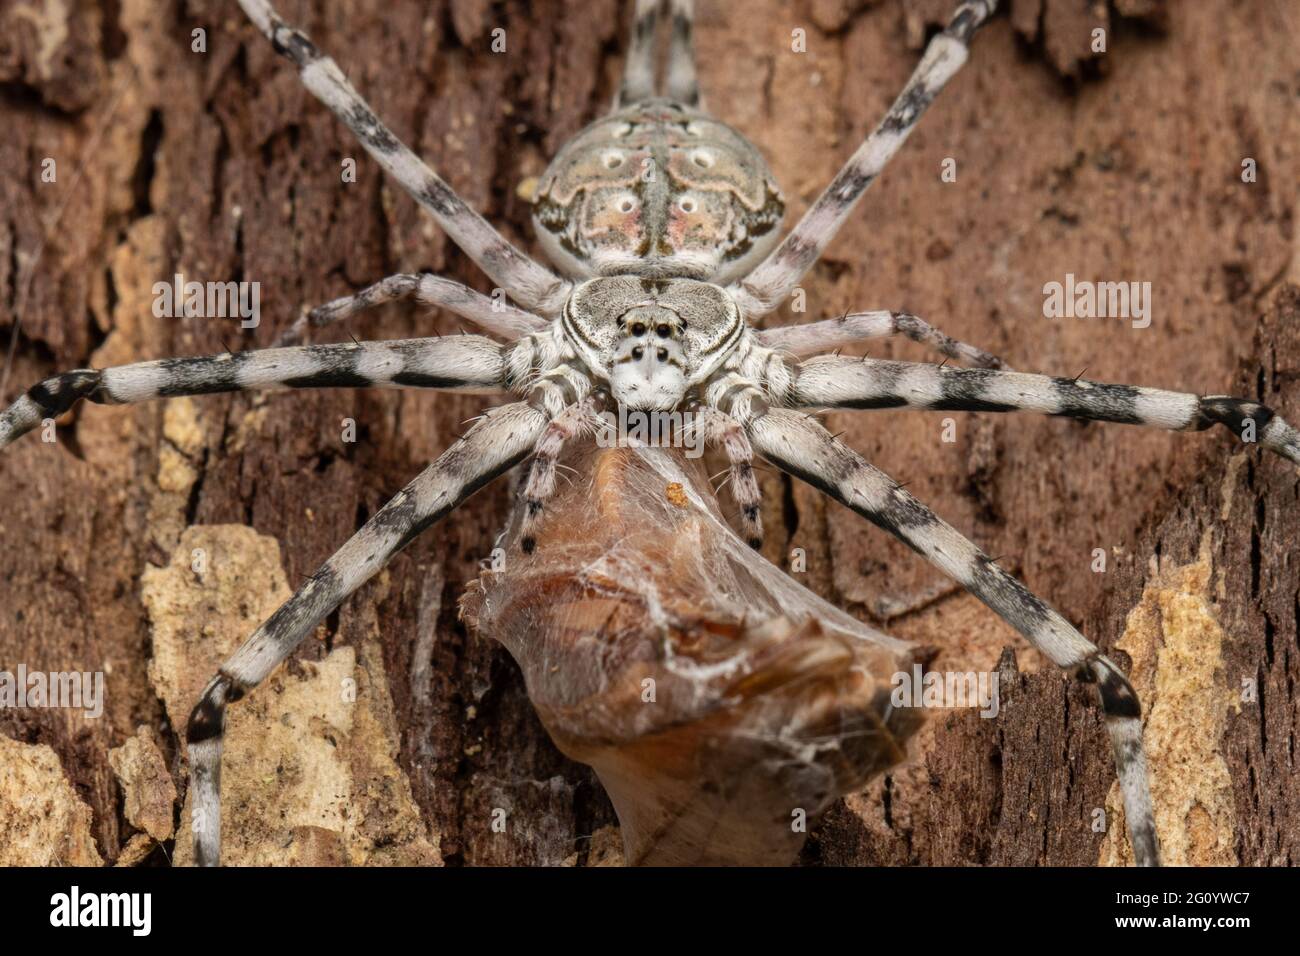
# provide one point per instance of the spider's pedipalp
(798, 445)
(812, 338)
(558, 388)
(723, 430)
(776, 276)
(496, 443)
(829, 382)
(527, 281)
(493, 317)
(464, 363)
(575, 421)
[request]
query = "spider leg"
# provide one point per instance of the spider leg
(774, 278)
(798, 445)
(499, 440)
(854, 327)
(639, 67)
(527, 282)
(496, 318)
(830, 382)
(726, 432)
(573, 422)
(682, 85)
(465, 363)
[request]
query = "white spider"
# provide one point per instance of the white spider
(665, 222)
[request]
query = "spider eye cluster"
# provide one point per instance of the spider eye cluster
(651, 340)
(665, 328)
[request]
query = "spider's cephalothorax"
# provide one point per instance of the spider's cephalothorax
(651, 339)
(658, 189)
(666, 223)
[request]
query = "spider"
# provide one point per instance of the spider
(664, 224)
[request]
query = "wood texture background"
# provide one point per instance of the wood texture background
(1124, 166)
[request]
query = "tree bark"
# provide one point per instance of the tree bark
(1122, 165)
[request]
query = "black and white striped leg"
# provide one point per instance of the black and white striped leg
(639, 66)
(833, 382)
(682, 85)
(465, 363)
(575, 421)
(797, 444)
(853, 327)
(527, 282)
(767, 286)
(500, 439)
(494, 317)
(728, 434)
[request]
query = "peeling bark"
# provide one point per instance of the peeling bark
(1120, 166)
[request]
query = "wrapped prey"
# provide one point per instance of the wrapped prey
(722, 705)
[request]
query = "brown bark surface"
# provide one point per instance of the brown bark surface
(1117, 166)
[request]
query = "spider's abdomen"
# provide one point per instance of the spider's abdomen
(661, 190)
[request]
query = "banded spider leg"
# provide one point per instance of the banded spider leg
(776, 276)
(799, 445)
(495, 318)
(851, 328)
(639, 66)
(499, 439)
(764, 288)
(466, 363)
(531, 284)
(832, 382)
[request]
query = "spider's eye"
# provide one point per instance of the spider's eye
(663, 331)
(627, 205)
(637, 353)
(687, 205)
(638, 328)
(662, 355)
(613, 159)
